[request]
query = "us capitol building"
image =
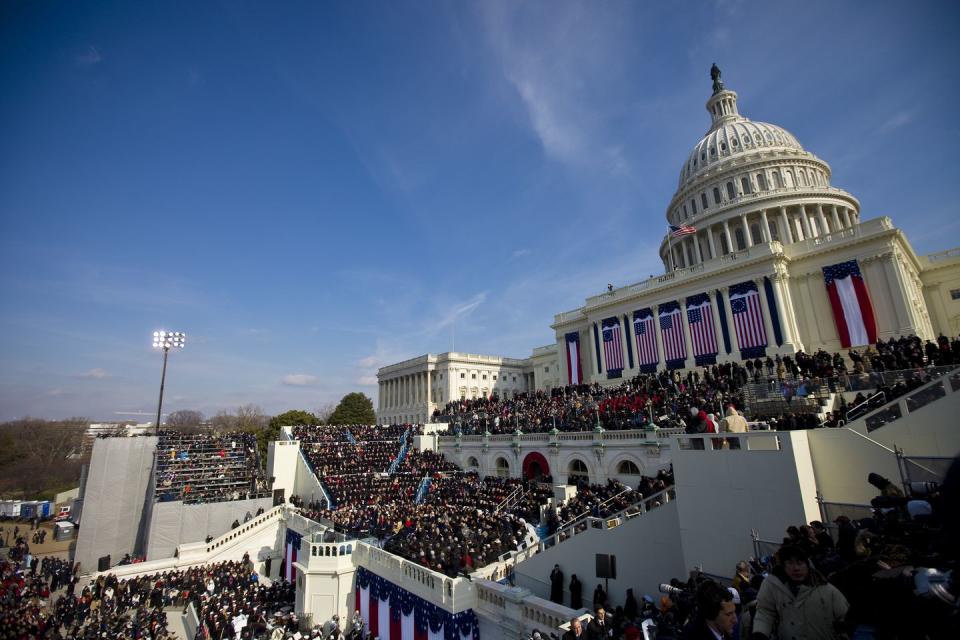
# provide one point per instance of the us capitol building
(765, 257)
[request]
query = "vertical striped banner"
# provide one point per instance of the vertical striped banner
(671, 329)
(643, 328)
(612, 346)
(703, 333)
(748, 319)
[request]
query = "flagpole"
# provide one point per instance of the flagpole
(673, 266)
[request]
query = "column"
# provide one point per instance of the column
(686, 333)
(836, 217)
(656, 323)
(898, 295)
(805, 221)
(788, 320)
(734, 344)
(767, 321)
(824, 229)
(764, 226)
(695, 258)
(746, 230)
(718, 330)
(713, 246)
(847, 222)
(726, 233)
(429, 391)
(788, 232)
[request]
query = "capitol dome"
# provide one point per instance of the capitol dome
(749, 183)
(733, 135)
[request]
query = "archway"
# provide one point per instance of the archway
(577, 471)
(503, 468)
(535, 466)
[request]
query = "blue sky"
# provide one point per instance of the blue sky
(313, 190)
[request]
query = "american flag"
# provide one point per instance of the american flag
(682, 230)
(612, 349)
(747, 315)
(671, 328)
(702, 332)
(646, 337)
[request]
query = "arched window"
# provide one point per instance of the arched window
(788, 179)
(731, 191)
(777, 180)
(685, 212)
(503, 468)
(739, 239)
(703, 201)
(745, 184)
(755, 233)
(762, 182)
(693, 203)
(628, 468)
(716, 195)
(473, 463)
(802, 178)
(577, 471)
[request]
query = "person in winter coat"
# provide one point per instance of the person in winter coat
(733, 423)
(796, 603)
(576, 593)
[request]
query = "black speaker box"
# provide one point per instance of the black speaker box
(607, 566)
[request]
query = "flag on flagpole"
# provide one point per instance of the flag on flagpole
(703, 334)
(748, 319)
(643, 327)
(290, 554)
(850, 301)
(671, 329)
(573, 358)
(682, 230)
(612, 347)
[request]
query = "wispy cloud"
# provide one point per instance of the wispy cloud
(556, 66)
(95, 373)
(457, 312)
(89, 58)
(519, 253)
(299, 380)
(897, 120)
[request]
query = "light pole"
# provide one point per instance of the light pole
(166, 340)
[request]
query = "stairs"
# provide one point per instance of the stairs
(422, 490)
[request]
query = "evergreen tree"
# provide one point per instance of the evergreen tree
(354, 408)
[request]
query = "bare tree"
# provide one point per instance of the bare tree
(185, 420)
(324, 411)
(223, 421)
(251, 417)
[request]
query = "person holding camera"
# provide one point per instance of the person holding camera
(796, 603)
(716, 614)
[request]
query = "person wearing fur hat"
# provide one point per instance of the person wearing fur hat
(796, 603)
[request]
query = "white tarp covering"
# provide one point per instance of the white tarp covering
(176, 523)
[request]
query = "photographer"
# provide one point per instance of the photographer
(716, 614)
(796, 603)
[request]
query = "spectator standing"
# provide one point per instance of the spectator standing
(556, 585)
(716, 614)
(796, 603)
(576, 593)
(733, 422)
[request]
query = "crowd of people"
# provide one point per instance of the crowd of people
(208, 467)
(338, 450)
(603, 500)
(889, 575)
(649, 400)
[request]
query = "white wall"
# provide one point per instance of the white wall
(723, 494)
(647, 549)
(282, 465)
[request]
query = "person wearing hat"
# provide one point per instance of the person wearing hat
(796, 603)
(733, 422)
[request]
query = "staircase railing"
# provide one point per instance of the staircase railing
(422, 490)
(509, 500)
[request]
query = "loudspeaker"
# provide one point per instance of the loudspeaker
(103, 564)
(607, 566)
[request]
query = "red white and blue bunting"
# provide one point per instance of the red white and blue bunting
(393, 613)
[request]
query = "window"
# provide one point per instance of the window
(484, 376)
(503, 468)
(716, 196)
(577, 471)
(473, 376)
(802, 178)
(703, 201)
(738, 238)
(462, 376)
(684, 212)
(762, 182)
(731, 191)
(955, 294)
(774, 234)
(473, 462)
(546, 369)
(745, 184)
(755, 234)
(777, 180)
(628, 468)
(693, 203)
(723, 244)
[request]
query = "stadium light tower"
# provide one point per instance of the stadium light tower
(166, 340)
